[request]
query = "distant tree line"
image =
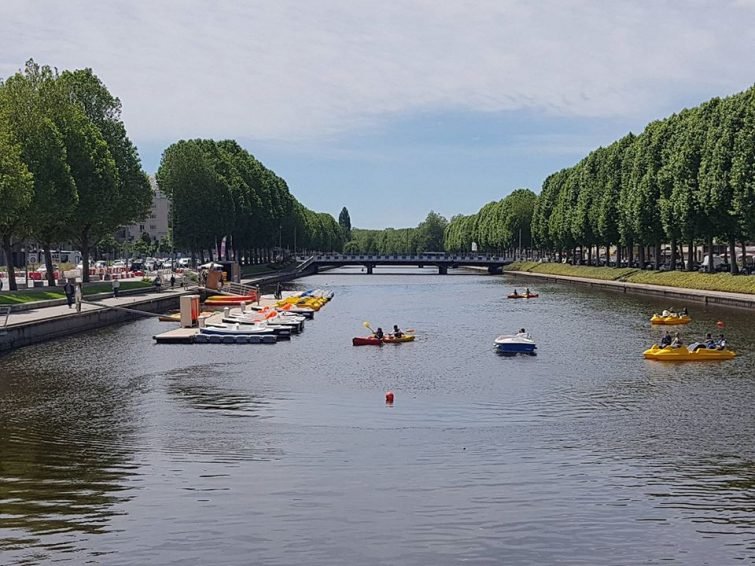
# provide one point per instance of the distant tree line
(497, 227)
(68, 171)
(686, 179)
(218, 190)
(426, 237)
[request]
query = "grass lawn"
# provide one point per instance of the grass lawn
(682, 279)
(33, 295)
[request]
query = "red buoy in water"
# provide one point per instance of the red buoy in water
(720, 324)
(389, 397)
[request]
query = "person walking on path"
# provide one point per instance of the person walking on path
(69, 290)
(116, 287)
(158, 282)
(77, 296)
(172, 280)
(1, 283)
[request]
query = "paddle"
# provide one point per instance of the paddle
(367, 326)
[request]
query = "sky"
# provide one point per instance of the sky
(393, 108)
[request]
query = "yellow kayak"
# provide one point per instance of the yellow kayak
(388, 339)
(671, 319)
(683, 354)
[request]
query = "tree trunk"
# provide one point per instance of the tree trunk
(7, 248)
(710, 254)
(85, 255)
(690, 255)
(630, 254)
(49, 266)
(744, 253)
(657, 259)
(642, 257)
(681, 256)
(733, 254)
(618, 255)
(673, 254)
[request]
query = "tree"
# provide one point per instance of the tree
(111, 186)
(35, 112)
(345, 222)
(430, 233)
(16, 193)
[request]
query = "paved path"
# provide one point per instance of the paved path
(45, 313)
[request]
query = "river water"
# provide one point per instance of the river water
(114, 450)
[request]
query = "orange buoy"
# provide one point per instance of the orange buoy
(389, 397)
(720, 324)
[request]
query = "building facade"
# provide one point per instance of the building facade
(157, 223)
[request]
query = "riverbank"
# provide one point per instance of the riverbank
(36, 325)
(682, 286)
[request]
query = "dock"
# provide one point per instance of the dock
(192, 336)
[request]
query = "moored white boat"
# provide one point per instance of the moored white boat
(519, 343)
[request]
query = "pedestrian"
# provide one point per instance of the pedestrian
(1, 283)
(116, 287)
(172, 280)
(158, 282)
(69, 290)
(77, 296)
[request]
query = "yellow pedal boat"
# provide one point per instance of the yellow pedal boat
(671, 319)
(683, 354)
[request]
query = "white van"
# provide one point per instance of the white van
(717, 261)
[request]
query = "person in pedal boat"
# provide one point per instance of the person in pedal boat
(397, 331)
(666, 340)
(379, 333)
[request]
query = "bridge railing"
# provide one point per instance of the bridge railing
(429, 257)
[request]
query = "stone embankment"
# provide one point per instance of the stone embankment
(739, 300)
(39, 324)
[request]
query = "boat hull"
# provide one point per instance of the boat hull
(684, 355)
(366, 341)
(658, 319)
(530, 296)
(401, 340)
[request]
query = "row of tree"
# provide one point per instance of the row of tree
(68, 171)
(219, 190)
(688, 178)
(427, 236)
(497, 227)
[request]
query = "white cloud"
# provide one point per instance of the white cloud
(288, 70)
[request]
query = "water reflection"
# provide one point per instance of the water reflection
(67, 457)
(585, 453)
(195, 387)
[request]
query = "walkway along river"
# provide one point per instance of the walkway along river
(118, 451)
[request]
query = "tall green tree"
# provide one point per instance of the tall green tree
(16, 193)
(112, 188)
(430, 233)
(344, 220)
(36, 112)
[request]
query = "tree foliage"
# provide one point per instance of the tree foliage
(218, 189)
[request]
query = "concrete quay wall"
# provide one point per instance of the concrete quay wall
(32, 332)
(680, 295)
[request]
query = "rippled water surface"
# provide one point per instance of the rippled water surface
(114, 450)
